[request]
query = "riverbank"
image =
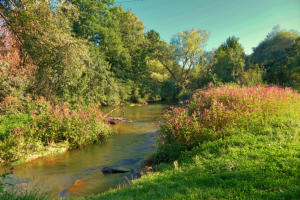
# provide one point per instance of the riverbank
(51, 150)
(31, 128)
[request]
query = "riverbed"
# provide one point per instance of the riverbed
(78, 173)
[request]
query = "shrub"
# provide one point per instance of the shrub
(251, 77)
(220, 111)
(80, 126)
(29, 125)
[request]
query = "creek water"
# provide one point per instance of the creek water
(78, 173)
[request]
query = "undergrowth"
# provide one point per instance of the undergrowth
(28, 126)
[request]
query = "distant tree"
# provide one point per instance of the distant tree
(293, 64)
(272, 49)
(187, 48)
(229, 60)
(274, 31)
(203, 74)
(251, 76)
(277, 53)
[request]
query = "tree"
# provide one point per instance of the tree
(187, 49)
(46, 41)
(15, 75)
(274, 31)
(278, 54)
(293, 64)
(203, 74)
(229, 60)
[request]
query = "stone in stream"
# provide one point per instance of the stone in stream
(111, 170)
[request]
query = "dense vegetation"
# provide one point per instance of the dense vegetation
(60, 61)
(29, 126)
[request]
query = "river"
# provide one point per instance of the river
(78, 173)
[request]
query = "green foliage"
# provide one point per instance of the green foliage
(169, 91)
(267, 52)
(2, 183)
(203, 74)
(47, 42)
(229, 60)
(9, 122)
(251, 77)
(43, 124)
(279, 54)
(22, 196)
(187, 49)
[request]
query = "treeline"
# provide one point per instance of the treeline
(275, 61)
(95, 52)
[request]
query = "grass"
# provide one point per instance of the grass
(22, 196)
(53, 149)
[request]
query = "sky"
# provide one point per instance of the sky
(249, 20)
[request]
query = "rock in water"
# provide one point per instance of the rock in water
(111, 170)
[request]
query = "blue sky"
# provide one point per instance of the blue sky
(249, 20)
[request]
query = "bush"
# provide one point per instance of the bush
(251, 77)
(220, 111)
(29, 125)
(80, 126)
(9, 123)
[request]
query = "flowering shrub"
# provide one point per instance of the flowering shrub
(44, 124)
(52, 124)
(219, 111)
